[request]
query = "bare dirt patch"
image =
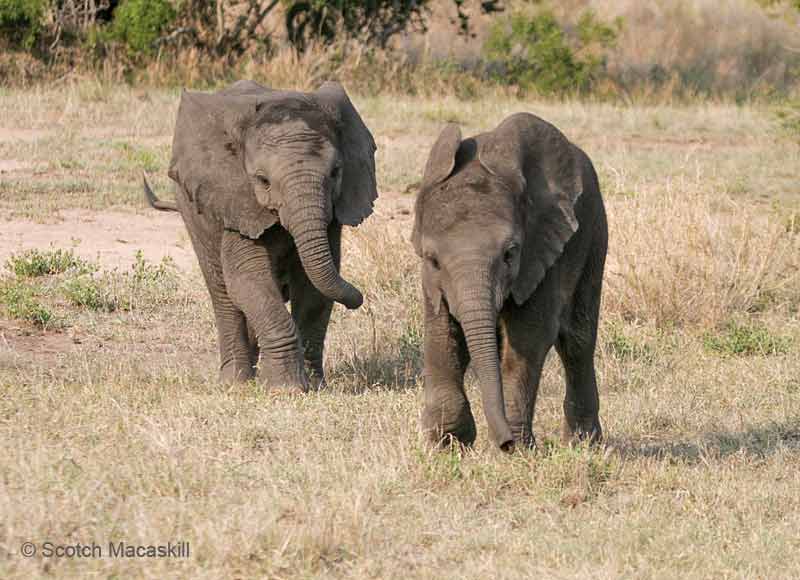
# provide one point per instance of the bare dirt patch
(9, 165)
(111, 237)
(20, 346)
(114, 237)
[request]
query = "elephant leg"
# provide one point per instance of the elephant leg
(524, 347)
(446, 413)
(236, 363)
(576, 346)
(311, 311)
(249, 268)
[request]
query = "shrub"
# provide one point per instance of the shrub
(22, 21)
(139, 23)
(88, 292)
(33, 263)
(534, 52)
(373, 21)
(21, 303)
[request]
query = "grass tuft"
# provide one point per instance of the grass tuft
(746, 340)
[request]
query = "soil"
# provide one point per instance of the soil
(113, 238)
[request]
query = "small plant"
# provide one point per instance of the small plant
(138, 157)
(623, 347)
(789, 119)
(145, 285)
(88, 292)
(32, 263)
(20, 302)
(746, 340)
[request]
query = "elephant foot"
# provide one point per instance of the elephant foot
(235, 372)
(316, 376)
(441, 434)
(281, 378)
(523, 437)
(576, 429)
(280, 391)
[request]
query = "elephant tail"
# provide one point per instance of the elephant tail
(154, 202)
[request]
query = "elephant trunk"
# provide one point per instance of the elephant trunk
(478, 317)
(307, 219)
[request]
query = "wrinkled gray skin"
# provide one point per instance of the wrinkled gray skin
(513, 235)
(264, 182)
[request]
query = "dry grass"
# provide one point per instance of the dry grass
(114, 427)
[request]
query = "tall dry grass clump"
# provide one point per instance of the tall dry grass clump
(704, 46)
(381, 342)
(697, 259)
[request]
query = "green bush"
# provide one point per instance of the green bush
(32, 263)
(86, 291)
(21, 303)
(139, 23)
(22, 21)
(535, 52)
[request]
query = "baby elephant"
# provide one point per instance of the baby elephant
(264, 180)
(513, 233)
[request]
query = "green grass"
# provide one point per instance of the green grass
(746, 340)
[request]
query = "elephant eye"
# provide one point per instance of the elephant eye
(337, 169)
(433, 262)
(510, 254)
(264, 181)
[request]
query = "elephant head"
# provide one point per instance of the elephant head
(251, 157)
(493, 215)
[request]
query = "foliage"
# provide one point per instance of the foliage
(45, 263)
(225, 29)
(374, 22)
(535, 52)
(746, 340)
(139, 23)
(142, 287)
(21, 303)
(22, 21)
(87, 292)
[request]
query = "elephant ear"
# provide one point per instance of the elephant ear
(442, 158)
(440, 164)
(357, 147)
(207, 158)
(534, 158)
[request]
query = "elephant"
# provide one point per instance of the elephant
(264, 181)
(512, 232)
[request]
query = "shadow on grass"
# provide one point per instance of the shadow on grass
(757, 442)
(377, 370)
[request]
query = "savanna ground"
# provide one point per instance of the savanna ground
(114, 427)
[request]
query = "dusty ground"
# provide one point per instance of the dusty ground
(112, 238)
(114, 427)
